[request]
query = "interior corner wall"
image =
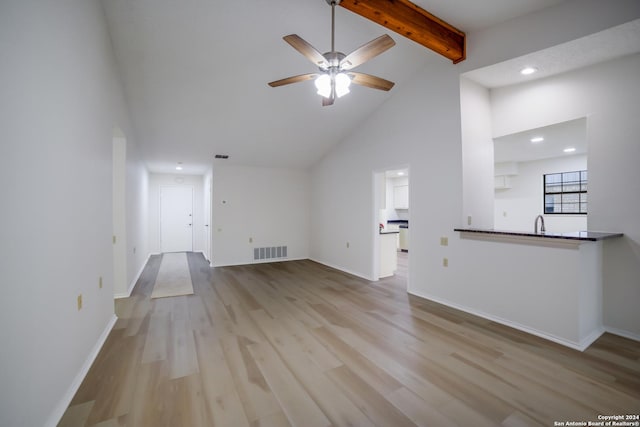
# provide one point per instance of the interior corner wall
(257, 207)
(566, 21)
(477, 155)
(608, 94)
(418, 126)
(61, 98)
(156, 181)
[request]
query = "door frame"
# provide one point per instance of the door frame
(378, 178)
(163, 186)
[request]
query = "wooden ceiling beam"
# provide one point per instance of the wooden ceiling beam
(413, 22)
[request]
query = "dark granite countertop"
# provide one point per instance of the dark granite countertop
(591, 236)
(389, 232)
(402, 223)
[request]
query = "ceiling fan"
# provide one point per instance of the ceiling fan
(334, 68)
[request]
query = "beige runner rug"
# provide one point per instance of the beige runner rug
(173, 278)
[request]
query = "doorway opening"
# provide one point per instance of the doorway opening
(391, 225)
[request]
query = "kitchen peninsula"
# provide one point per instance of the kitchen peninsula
(547, 284)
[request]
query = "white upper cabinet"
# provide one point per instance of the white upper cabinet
(401, 197)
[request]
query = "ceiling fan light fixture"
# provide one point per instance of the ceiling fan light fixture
(342, 84)
(323, 84)
(332, 80)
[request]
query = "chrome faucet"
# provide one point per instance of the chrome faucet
(535, 225)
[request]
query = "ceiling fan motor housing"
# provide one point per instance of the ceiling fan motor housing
(333, 59)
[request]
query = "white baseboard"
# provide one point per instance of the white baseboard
(64, 402)
(134, 281)
(345, 270)
(580, 346)
(264, 261)
(622, 333)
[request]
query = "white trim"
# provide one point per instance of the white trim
(134, 281)
(622, 333)
(265, 261)
(580, 346)
(591, 338)
(344, 270)
(64, 402)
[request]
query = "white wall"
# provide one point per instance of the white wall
(130, 211)
(196, 182)
(137, 214)
(477, 155)
(60, 101)
(548, 27)
(207, 189)
(608, 95)
(422, 121)
(119, 216)
(516, 207)
(270, 206)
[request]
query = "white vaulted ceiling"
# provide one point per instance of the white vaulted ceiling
(195, 75)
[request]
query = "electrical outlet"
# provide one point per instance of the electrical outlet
(79, 302)
(469, 220)
(100, 282)
(444, 241)
(250, 239)
(445, 262)
(347, 245)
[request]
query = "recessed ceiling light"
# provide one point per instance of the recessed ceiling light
(400, 173)
(178, 168)
(528, 70)
(569, 150)
(537, 139)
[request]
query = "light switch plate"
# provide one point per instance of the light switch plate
(444, 241)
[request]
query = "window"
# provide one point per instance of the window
(565, 193)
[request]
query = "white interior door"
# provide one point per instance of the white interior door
(176, 219)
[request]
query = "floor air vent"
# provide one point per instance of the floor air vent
(270, 252)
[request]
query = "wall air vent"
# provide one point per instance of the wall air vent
(270, 252)
(221, 156)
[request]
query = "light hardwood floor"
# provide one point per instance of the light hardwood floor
(300, 344)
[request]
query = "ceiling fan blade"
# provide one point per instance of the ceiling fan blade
(327, 101)
(310, 52)
(366, 52)
(370, 81)
(293, 79)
